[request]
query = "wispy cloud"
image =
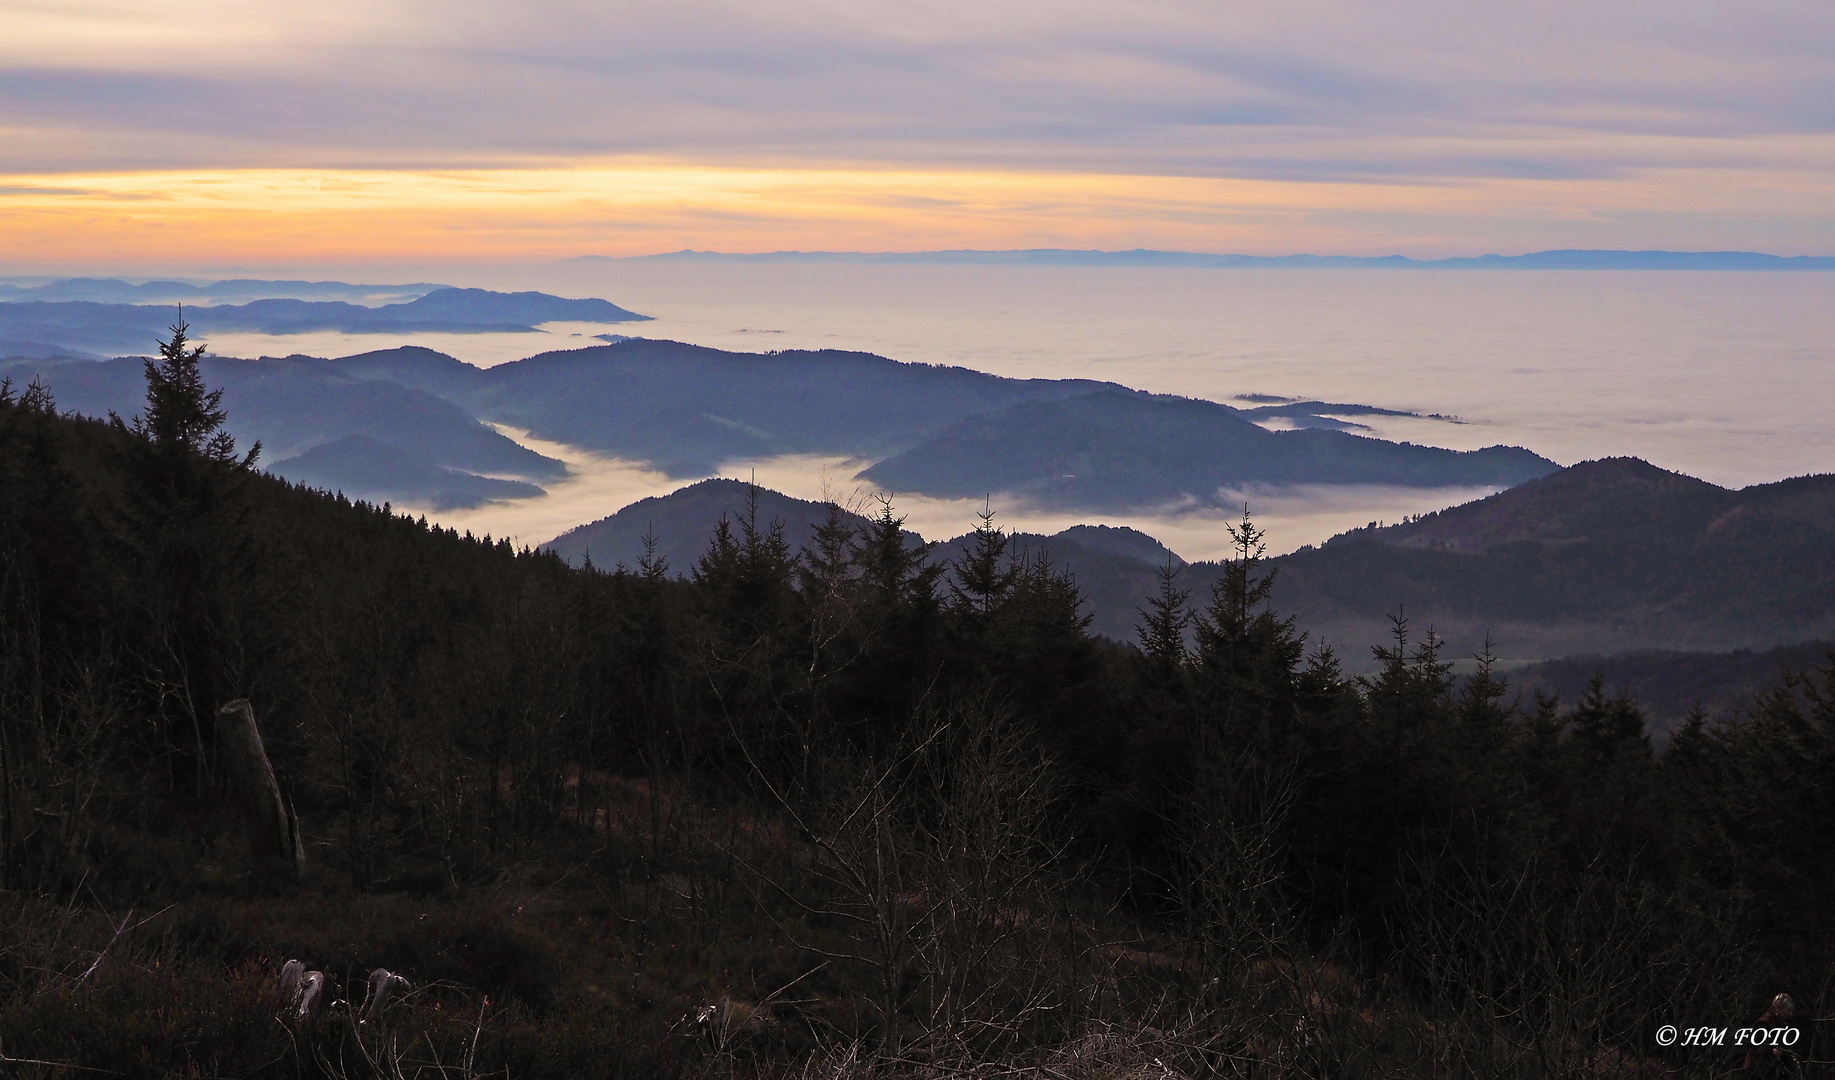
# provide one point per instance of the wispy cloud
(1654, 97)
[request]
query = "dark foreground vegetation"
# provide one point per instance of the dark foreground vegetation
(845, 814)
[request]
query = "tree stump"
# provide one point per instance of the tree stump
(273, 830)
(385, 987)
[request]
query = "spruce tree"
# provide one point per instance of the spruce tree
(1164, 622)
(1247, 654)
(183, 416)
(984, 575)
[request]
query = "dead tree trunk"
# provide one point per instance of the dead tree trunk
(273, 830)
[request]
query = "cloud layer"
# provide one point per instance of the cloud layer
(1688, 103)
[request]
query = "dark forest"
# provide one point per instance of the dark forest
(860, 811)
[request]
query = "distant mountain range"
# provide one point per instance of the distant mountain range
(1540, 260)
(1603, 557)
(1117, 450)
(116, 291)
(86, 325)
(686, 409)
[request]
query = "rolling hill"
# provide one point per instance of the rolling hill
(1124, 450)
(1115, 566)
(1603, 557)
(387, 473)
(295, 404)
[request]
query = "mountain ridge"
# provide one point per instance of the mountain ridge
(103, 327)
(1672, 577)
(1132, 450)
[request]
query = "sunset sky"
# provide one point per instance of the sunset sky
(211, 134)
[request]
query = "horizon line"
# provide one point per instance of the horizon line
(1561, 258)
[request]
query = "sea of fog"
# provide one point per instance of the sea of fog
(1729, 376)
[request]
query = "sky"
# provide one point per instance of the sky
(216, 134)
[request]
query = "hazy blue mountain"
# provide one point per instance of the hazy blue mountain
(464, 305)
(1638, 260)
(1115, 566)
(116, 291)
(295, 403)
(1541, 260)
(106, 327)
(1123, 449)
(683, 521)
(687, 408)
(1325, 414)
(16, 349)
(416, 367)
(364, 468)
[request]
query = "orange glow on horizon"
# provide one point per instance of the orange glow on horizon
(175, 220)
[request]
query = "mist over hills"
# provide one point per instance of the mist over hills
(116, 291)
(682, 522)
(126, 327)
(686, 409)
(460, 745)
(1603, 557)
(297, 404)
(385, 472)
(1116, 566)
(1121, 450)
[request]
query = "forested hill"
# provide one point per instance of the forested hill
(329, 426)
(1601, 557)
(1670, 683)
(683, 408)
(687, 410)
(845, 803)
(1121, 451)
(680, 525)
(1113, 567)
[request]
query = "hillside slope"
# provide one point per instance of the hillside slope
(682, 523)
(293, 404)
(1115, 567)
(1125, 450)
(687, 408)
(1601, 557)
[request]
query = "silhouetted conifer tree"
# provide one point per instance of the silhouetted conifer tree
(182, 416)
(1164, 622)
(984, 574)
(1247, 654)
